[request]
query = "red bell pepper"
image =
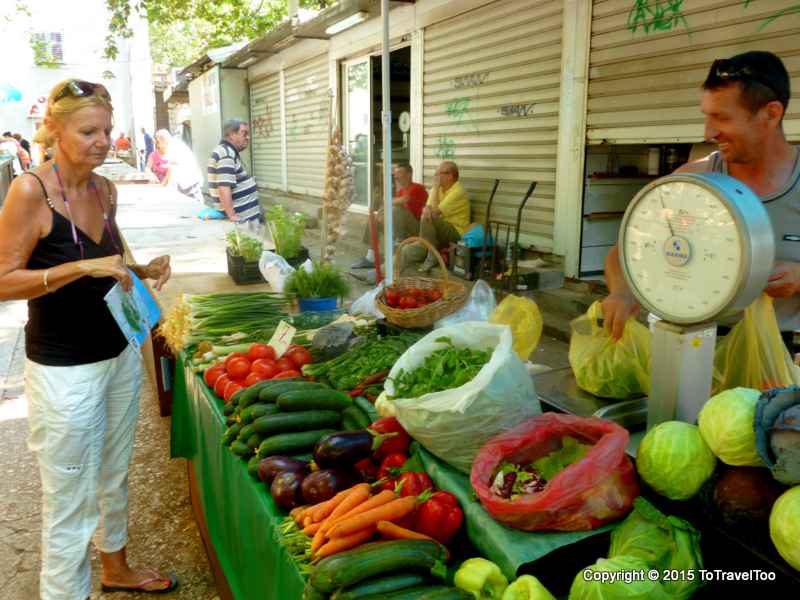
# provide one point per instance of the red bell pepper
(367, 469)
(439, 516)
(390, 470)
(397, 443)
(413, 484)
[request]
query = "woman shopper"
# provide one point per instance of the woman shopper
(60, 249)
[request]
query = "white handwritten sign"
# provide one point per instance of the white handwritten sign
(282, 338)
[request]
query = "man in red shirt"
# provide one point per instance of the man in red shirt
(407, 204)
(122, 143)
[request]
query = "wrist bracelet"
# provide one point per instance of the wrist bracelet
(44, 280)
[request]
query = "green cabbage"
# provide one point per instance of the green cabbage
(664, 543)
(726, 424)
(784, 526)
(674, 460)
(633, 582)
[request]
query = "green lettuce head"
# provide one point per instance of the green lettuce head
(726, 424)
(674, 460)
(664, 543)
(618, 578)
(784, 526)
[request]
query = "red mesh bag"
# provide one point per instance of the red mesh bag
(591, 492)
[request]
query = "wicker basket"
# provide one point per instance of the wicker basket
(453, 294)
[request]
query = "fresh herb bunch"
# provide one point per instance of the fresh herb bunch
(444, 369)
(323, 281)
(287, 230)
(244, 245)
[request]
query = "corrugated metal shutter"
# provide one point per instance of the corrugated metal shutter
(648, 59)
(491, 89)
(265, 131)
(307, 117)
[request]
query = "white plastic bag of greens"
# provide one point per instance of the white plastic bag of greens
(454, 424)
(479, 307)
(365, 304)
(275, 270)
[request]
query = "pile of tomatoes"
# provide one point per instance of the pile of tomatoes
(412, 297)
(240, 370)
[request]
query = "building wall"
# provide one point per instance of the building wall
(206, 123)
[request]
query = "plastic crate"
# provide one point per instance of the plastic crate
(241, 271)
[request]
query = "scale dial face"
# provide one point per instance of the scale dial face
(683, 251)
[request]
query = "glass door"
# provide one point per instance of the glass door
(357, 133)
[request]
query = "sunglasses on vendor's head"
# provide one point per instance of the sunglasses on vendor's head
(725, 69)
(78, 88)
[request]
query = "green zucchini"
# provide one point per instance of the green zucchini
(313, 399)
(349, 424)
(381, 585)
(250, 395)
(271, 393)
(288, 444)
(451, 593)
(231, 434)
(252, 466)
(254, 411)
(358, 416)
(254, 441)
(369, 560)
(245, 432)
(298, 421)
(232, 420)
(415, 593)
(310, 593)
(368, 408)
(241, 449)
(229, 408)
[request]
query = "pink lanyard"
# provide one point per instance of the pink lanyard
(75, 237)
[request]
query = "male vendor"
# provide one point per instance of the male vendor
(744, 100)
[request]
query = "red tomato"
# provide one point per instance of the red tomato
(211, 374)
(238, 368)
(252, 378)
(288, 374)
(434, 295)
(230, 390)
(233, 355)
(392, 297)
(219, 385)
(261, 351)
(408, 302)
(265, 368)
(299, 356)
(415, 292)
(284, 364)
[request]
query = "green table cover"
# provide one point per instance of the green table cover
(241, 516)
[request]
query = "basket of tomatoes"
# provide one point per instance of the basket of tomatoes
(416, 302)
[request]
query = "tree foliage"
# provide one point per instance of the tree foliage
(181, 30)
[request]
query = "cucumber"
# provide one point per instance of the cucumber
(291, 443)
(415, 593)
(231, 434)
(236, 398)
(314, 399)
(298, 421)
(241, 449)
(252, 466)
(367, 407)
(381, 585)
(377, 558)
(229, 408)
(232, 420)
(271, 393)
(245, 432)
(448, 593)
(254, 411)
(250, 395)
(254, 441)
(309, 593)
(349, 424)
(358, 416)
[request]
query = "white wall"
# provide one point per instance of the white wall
(84, 27)
(204, 100)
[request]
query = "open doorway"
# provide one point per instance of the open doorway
(363, 128)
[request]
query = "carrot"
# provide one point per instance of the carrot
(391, 531)
(318, 541)
(307, 521)
(391, 511)
(323, 509)
(311, 529)
(383, 497)
(298, 513)
(358, 495)
(340, 544)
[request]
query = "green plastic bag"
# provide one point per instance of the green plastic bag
(607, 368)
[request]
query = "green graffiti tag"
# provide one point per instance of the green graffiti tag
(654, 16)
(445, 148)
(458, 109)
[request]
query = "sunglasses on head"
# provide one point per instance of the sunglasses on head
(80, 89)
(725, 69)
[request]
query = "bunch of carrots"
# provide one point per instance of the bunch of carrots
(353, 516)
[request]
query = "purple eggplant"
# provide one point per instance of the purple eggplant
(271, 466)
(326, 483)
(346, 448)
(287, 489)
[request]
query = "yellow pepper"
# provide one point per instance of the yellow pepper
(527, 587)
(482, 578)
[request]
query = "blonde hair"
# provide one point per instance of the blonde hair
(58, 111)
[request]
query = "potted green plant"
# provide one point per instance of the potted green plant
(317, 289)
(243, 251)
(286, 229)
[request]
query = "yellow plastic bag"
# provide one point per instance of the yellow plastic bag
(753, 355)
(607, 368)
(525, 320)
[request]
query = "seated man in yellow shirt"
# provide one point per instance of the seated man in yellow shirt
(445, 217)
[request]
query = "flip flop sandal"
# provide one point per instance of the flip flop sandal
(173, 583)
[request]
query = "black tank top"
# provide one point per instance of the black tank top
(71, 326)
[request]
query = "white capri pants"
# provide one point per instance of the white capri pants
(82, 421)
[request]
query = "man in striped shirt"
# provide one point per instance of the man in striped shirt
(233, 190)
